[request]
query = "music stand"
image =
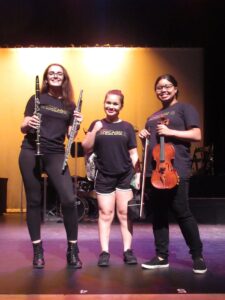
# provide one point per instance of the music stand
(77, 150)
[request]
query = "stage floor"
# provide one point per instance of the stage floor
(17, 277)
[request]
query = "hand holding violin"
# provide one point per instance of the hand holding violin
(162, 129)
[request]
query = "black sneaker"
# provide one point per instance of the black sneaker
(199, 266)
(129, 258)
(156, 263)
(103, 260)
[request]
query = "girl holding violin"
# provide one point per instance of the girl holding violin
(170, 132)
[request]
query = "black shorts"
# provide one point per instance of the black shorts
(107, 184)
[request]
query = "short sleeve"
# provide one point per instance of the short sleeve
(191, 116)
(30, 107)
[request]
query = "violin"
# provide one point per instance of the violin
(164, 176)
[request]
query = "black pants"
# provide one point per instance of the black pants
(177, 201)
(31, 174)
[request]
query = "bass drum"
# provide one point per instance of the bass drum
(82, 208)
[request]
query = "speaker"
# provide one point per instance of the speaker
(3, 194)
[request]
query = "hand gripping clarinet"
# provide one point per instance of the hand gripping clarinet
(73, 131)
(38, 114)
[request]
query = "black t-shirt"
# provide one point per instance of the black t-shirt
(181, 116)
(56, 117)
(112, 144)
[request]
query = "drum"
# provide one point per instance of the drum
(82, 208)
(84, 185)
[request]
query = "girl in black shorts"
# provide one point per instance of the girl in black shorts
(114, 143)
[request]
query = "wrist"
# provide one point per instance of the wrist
(172, 133)
(25, 125)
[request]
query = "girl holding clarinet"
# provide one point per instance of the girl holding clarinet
(56, 111)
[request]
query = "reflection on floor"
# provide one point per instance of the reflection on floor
(18, 277)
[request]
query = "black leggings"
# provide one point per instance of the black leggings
(31, 174)
(178, 202)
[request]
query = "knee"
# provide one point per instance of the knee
(183, 214)
(122, 215)
(67, 200)
(106, 215)
(33, 201)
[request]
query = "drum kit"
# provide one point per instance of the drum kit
(86, 200)
(85, 195)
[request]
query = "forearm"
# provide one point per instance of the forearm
(191, 135)
(24, 126)
(136, 165)
(135, 160)
(89, 140)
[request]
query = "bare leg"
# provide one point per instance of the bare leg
(106, 204)
(126, 226)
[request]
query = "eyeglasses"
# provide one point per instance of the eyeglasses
(58, 74)
(166, 87)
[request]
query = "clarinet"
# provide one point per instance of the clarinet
(75, 127)
(38, 114)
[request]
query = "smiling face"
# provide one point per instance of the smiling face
(112, 106)
(55, 76)
(166, 92)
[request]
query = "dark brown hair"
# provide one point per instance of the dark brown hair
(168, 77)
(67, 89)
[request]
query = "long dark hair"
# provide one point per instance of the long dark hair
(67, 89)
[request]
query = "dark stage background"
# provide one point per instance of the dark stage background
(161, 23)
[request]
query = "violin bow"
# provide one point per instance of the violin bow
(143, 175)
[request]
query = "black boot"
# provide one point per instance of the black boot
(72, 256)
(38, 261)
